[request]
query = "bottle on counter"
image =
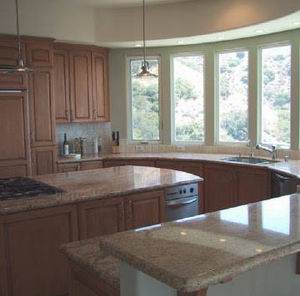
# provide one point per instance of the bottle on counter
(99, 145)
(96, 145)
(115, 142)
(66, 146)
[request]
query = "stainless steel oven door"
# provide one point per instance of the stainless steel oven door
(181, 208)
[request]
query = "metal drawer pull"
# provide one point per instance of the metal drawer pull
(181, 202)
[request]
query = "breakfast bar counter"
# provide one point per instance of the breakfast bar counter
(206, 253)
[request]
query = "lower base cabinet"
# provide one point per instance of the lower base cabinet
(44, 160)
(144, 209)
(31, 263)
(220, 187)
(101, 217)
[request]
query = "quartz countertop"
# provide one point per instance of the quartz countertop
(205, 250)
(99, 183)
(292, 167)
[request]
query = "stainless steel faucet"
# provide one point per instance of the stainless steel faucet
(271, 149)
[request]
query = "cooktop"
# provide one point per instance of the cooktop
(22, 187)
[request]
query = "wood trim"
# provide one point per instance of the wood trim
(3, 263)
(202, 292)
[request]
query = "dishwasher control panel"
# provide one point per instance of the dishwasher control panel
(181, 191)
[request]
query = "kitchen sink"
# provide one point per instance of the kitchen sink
(246, 159)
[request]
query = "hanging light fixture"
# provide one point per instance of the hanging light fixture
(145, 71)
(20, 67)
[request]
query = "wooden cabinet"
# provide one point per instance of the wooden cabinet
(79, 166)
(115, 162)
(91, 165)
(44, 160)
(61, 86)
(68, 167)
(144, 209)
(9, 56)
(33, 264)
(39, 52)
(100, 85)
(8, 171)
(101, 217)
(81, 85)
(142, 162)
(42, 108)
(84, 71)
(14, 130)
(220, 187)
(253, 185)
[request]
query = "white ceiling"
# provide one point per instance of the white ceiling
(124, 3)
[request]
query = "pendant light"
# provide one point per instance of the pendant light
(20, 67)
(145, 72)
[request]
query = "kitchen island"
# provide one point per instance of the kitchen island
(92, 203)
(247, 250)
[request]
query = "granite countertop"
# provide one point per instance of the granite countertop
(292, 167)
(88, 256)
(97, 184)
(204, 250)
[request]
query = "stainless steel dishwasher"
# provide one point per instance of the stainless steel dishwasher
(181, 202)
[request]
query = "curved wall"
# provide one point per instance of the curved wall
(188, 19)
(71, 21)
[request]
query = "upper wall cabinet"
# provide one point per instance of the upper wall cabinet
(39, 53)
(100, 85)
(9, 56)
(80, 83)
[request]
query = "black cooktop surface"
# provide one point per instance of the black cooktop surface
(21, 187)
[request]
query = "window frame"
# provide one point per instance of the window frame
(172, 93)
(217, 97)
(260, 49)
(129, 99)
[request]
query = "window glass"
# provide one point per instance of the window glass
(188, 98)
(145, 105)
(276, 95)
(233, 96)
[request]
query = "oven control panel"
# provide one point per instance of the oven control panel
(181, 191)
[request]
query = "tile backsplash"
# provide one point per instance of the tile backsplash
(89, 131)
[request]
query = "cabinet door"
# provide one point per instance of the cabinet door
(144, 209)
(142, 162)
(14, 130)
(253, 185)
(91, 165)
(61, 86)
(8, 171)
(101, 217)
(39, 53)
(114, 163)
(100, 86)
(220, 187)
(34, 263)
(9, 56)
(68, 167)
(42, 108)
(81, 86)
(44, 160)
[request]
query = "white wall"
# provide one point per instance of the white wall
(71, 21)
(49, 18)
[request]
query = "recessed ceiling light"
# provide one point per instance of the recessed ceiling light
(220, 38)
(179, 42)
(296, 23)
(259, 31)
(138, 45)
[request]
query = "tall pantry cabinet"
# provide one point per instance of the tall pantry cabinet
(69, 83)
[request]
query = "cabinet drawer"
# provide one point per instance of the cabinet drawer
(91, 165)
(69, 167)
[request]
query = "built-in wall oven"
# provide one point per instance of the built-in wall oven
(181, 202)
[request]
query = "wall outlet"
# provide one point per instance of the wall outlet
(180, 148)
(139, 149)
